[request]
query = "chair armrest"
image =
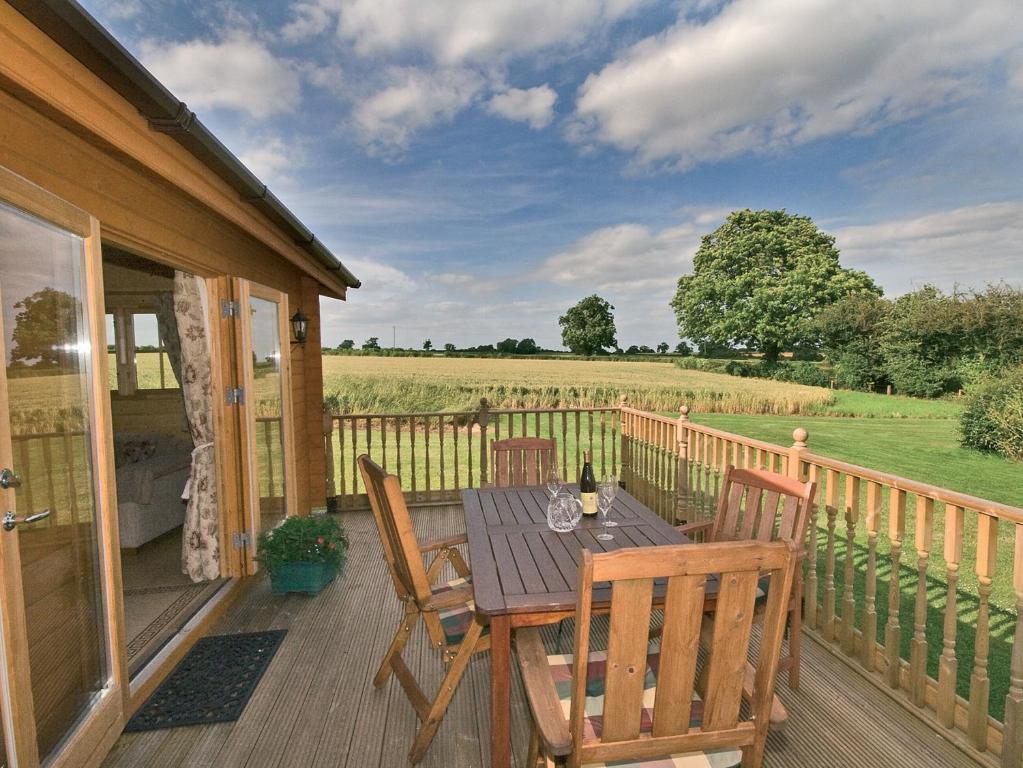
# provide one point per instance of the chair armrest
(449, 598)
(541, 693)
(445, 543)
(688, 528)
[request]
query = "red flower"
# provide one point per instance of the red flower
(333, 545)
(319, 540)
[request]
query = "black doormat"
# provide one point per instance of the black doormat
(212, 684)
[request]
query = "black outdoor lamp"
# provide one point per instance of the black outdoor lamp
(299, 326)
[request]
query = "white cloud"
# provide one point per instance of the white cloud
(763, 75)
(237, 73)
(533, 105)
(120, 10)
(309, 19)
(454, 31)
(413, 99)
(272, 158)
(968, 246)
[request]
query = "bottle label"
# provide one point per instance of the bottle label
(589, 501)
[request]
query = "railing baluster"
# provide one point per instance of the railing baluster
(1012, 733)
(400, 469)
(578, 448)
(893, 629)
(980, 683)
(810, 584)
(413, 469)
(426, 453)
(355, 457)
(918, 647)
(341, 457)
(948, 664)
(603, 444)
(869, 639)
(443, 469)
(454, 443)
(831, 509)
(564, 447)
(852, 513)
(51, 490)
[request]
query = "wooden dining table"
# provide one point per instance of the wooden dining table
(524, 574)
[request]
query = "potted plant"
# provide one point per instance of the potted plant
(303, 554)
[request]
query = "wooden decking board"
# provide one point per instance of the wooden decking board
(316, 706)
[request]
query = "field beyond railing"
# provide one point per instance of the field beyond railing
(942, 630)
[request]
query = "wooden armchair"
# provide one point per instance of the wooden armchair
(447, 610)
(522, 460)
(765, 506)
(639, 700)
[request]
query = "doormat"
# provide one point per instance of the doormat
(212, 684)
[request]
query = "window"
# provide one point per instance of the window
(139, 359)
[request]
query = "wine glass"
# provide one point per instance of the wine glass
(553, 482)
(604, 502)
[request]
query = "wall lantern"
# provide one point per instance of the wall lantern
(299, 327)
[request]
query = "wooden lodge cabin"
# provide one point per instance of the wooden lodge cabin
(134, 246)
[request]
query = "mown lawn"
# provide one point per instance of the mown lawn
(926, 449)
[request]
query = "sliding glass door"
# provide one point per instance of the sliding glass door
(62, 671)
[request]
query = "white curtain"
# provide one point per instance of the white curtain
(200, 546)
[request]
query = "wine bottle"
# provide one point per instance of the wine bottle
(588, 486)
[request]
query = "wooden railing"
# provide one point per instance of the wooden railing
(923, 626)
(916, 586)
(269, 457)
(55, 471)
(437, 454)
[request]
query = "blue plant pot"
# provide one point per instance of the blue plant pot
(309, 578)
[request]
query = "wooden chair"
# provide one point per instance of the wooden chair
(447, 610)
(765, 506)
(639, 701)
(522, 460)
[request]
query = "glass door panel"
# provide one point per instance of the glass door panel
(267, 404)
(47, 440)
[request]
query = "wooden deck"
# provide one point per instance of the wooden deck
(316, 707)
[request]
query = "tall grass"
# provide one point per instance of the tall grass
(403, 385)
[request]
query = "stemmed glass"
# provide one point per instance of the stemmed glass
(606, 491)
(553, 482)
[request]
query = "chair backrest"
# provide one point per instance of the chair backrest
(397, 536)
(733, 568)
(522, 460)
(764, 506)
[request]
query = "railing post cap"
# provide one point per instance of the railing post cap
(800, 436)
(623, 400)
(683, 411)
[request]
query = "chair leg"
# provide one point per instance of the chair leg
(795, 642)
(397, 644)
(447, 690)
(533, 757)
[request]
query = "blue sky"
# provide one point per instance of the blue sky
(483, 165)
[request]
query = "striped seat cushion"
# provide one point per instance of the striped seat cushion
(561, 671)
(456, 621)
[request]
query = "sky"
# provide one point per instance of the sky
(481, 166)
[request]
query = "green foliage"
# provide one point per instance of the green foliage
(589, 326)
(45, 329)
(992, 420)
(527, 347)
(508, 346)
(427, 345)
(315, 539)
(346, 344)
(849, 333)
(683, 349)
(449, 347)
(921, 342)
(798, 373)
(759, 278)
(662, 348)
(373, 342)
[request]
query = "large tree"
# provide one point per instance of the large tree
(759, 278)
(589, 327)
(45, 330)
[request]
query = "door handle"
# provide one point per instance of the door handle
(11, 520)
(9, 479)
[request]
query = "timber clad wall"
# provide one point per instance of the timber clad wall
(67, 131)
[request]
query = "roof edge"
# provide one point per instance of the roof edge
(77, 32)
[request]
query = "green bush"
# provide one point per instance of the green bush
(315, 539)
(993, 418)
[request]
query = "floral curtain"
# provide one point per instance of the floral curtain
(200, 556)
(168, 324)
